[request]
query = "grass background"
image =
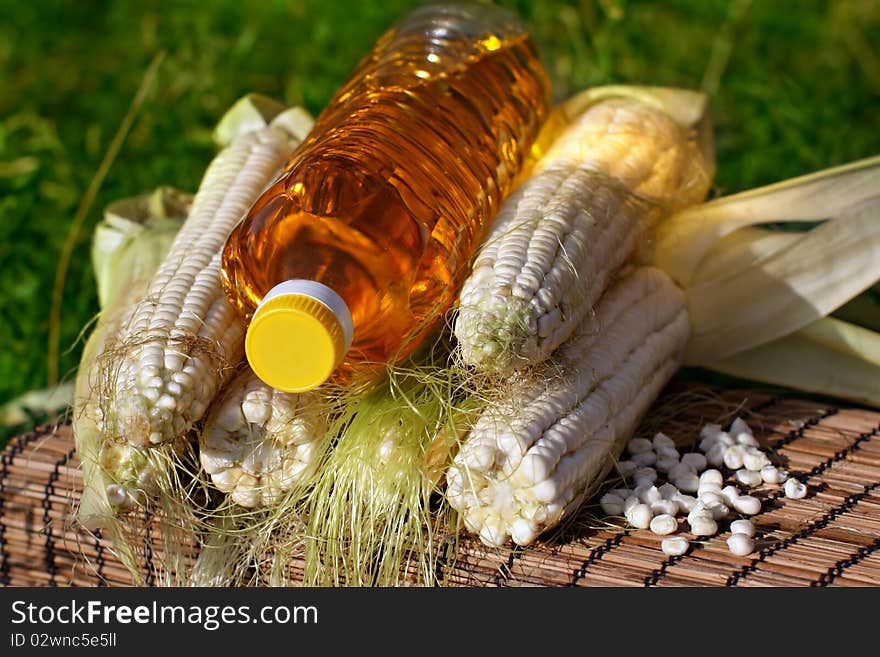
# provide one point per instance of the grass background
(795, 86)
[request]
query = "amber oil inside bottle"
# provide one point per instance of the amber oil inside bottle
(386, 200)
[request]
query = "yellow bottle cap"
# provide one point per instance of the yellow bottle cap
(298, 335)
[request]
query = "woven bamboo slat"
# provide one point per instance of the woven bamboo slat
(829, 538)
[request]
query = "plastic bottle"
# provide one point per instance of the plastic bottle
(361, 245)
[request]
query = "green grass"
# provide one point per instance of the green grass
(796, 87)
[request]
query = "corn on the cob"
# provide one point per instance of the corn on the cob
(258, 442)
(588, 205)
(177, 347)
(533, 454)
(129, 244)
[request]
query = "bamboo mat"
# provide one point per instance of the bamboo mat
(829, 538)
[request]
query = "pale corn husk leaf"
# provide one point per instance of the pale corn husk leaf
(250, 112)
(786, 290)
(683, 241)
(845, 338)
(742, 249)
(255, 111)
(828, 357)
(119, 242)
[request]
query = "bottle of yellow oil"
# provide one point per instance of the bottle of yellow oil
(360, 247)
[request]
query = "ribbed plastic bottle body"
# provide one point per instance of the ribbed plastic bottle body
(385, 201)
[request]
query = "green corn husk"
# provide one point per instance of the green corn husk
(370, 515)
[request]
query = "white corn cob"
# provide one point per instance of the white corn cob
(184, 339)
(129, 244)
(586, 208)
(532, 455)
(258, 442)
